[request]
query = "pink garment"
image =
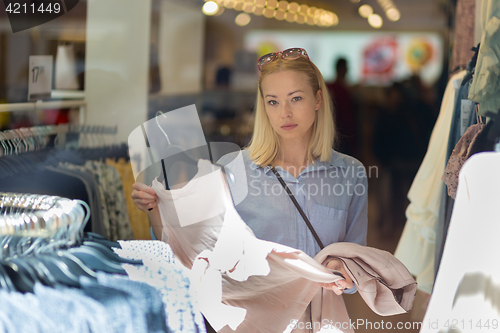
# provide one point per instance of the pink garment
(245, 284)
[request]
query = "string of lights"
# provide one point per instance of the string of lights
(280, 10)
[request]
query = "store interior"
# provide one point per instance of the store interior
(116, 63)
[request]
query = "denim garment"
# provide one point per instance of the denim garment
(447, 203)
(71, 310)
(21, 313)
(145, 300)
(118, 306)
(51, 310)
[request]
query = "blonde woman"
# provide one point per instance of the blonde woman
(292, 139)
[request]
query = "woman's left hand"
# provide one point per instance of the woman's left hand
(338, 286)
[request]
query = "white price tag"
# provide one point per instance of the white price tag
(40, 77)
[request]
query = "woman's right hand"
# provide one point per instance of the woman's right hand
(144, 197)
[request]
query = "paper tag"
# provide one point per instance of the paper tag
(466, 108)
(40, 77)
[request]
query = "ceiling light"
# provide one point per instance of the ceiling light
(335, 19)
(283, 5)
(268, 12)
(260, 3)
(393, 14)
(293, 7)
(258, 11)
(290, 17)
(273, 4)
(318, 13)
(375, 21)
(210, 8)
(242, 19)
(311, 11)
(365, 11)
(248, 7)
(324, 18)
(229, 3)
(279, 15)
(220, 11)
(238, 6)
(280, 10)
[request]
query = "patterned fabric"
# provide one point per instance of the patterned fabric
(464, 33)
(138, 219)
(160, 270)
(116, 221)
(458, 158)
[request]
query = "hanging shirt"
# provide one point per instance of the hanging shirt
(138, 219)
(417, 244)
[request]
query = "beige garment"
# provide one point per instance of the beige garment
(138, 219)
(245, 284)
(417, 244)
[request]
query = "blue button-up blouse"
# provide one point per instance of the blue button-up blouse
(333, 195)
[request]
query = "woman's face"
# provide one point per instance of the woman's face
(290, 104)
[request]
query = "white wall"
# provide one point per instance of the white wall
(181, 36)
(117, 63)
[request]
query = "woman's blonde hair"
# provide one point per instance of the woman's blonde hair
(265, 144)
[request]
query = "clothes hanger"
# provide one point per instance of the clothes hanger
(95, 254)
(49, 263)
(99, 246)
(7, 164)
(177, 154)
(63, 267)
(5, 281)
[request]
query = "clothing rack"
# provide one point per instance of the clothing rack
(76, 100)
(34, 138)
(58, 220)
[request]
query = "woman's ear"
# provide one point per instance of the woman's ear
(319, 99)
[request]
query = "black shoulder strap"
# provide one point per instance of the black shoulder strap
(290, 194)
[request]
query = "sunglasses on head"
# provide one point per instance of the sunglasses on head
(287, 54)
